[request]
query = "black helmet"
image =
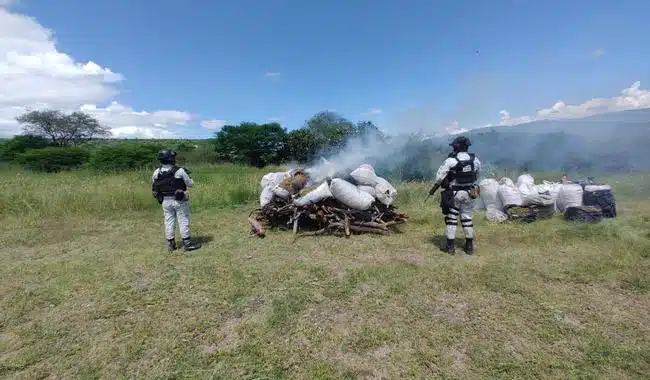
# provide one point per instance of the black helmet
(167, 156)
(461, 142)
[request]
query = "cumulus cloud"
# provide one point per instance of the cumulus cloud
(506, 119)
(126, 122)
(35, 75)
(454, 128)
(630, 98)
(213, 124)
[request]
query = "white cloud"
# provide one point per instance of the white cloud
(506, 119)
(126, 122)
(5, 3)
(630, 98)
(373, 112)
(598, 53)
(454, 128)
(275, 119)
(213, 124)
(272, 74)
(34, 74)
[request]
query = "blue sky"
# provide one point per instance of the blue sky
(257, 60)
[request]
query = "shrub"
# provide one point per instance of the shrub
(203, 154)
(53, 159)
(10, 149)
(124, 156)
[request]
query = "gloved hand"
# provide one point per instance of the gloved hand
(474, 192)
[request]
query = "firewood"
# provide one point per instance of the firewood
(257, 227)
(347, 226)
(326, 217)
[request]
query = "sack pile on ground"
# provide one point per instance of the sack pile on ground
(526, 201)
(361, 202)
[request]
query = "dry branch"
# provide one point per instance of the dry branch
(326, 217)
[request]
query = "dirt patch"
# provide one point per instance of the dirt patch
(459, 356)
(451, 307)
(230, 337)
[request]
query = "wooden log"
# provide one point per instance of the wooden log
(347, 226)
(369, 229)
(315, 233)
(257, 227)
(296, 217)
(382, 226)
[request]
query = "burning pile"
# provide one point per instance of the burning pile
(360, 202)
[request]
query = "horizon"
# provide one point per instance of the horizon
(408, 69)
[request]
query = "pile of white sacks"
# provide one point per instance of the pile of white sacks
(498, 195)
(367, 189)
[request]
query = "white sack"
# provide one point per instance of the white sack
(490, 197)
(385, 192)
(525, 184)
(552, 188)
(592, 188)
(490, 193)
(479, 204)
(509, 194)
(570, 195)
(495, 215)
(525, 180)
(272, 179)
(350, 195)
(266, 196)
(314, 196)
(368, 189)
(537, 199)
(506, 181)
(280, 191)
(364, 175)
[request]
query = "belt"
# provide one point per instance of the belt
(461, 187)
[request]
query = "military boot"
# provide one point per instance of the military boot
(469, 246)
(171, 245)
(189, 245)
(450, 247)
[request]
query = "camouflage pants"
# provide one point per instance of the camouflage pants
(463, 207)
(173, 210)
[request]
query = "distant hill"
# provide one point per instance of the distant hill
(612, 142)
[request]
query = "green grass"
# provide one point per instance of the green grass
(88, 290)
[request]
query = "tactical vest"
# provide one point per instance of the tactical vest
(166, 184)
(464, 172)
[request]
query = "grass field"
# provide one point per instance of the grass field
(89, 291)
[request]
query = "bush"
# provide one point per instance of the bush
(203, 154)
(53, 159)
(10, 149)
(124, 156)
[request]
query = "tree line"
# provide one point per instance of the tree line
(55, 141)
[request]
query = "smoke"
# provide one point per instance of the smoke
(366, 149)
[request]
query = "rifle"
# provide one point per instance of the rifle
(444, 183)
(432, 191)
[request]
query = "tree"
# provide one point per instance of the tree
(300, 146)
(330, 131)
(20, 144)
(367, 131)
(251, 143)
(60, 128)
